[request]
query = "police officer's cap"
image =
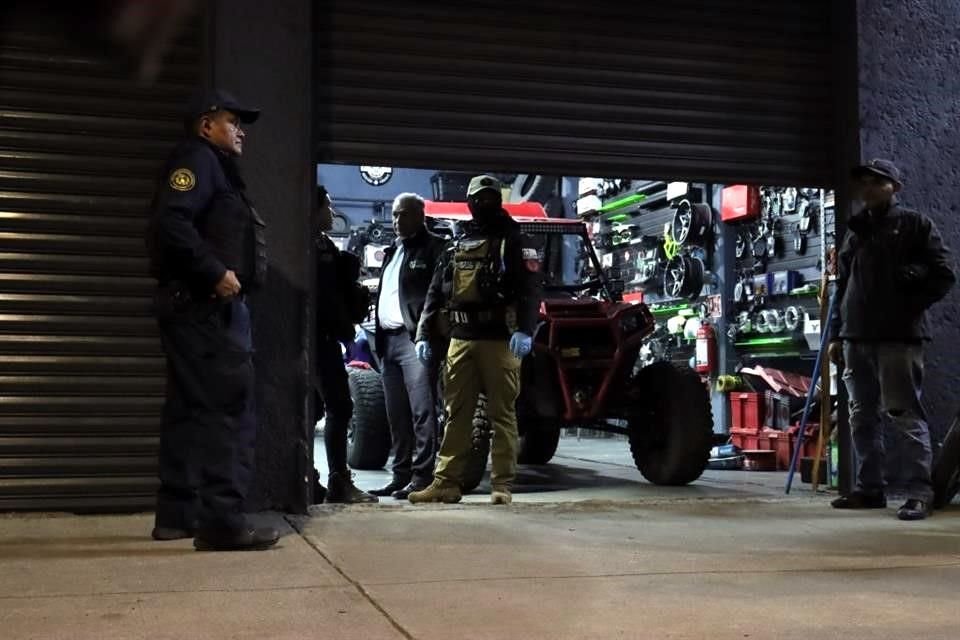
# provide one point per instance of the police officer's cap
(480, 183)
(878, 167)
(215, 100)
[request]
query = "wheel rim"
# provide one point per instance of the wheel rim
(682, 222)
(676, 275)
(340, 224)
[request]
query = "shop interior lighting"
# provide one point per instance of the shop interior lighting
(620, 203)
(764, 342)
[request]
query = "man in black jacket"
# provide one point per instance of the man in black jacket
(488, 284)
(336, 278)
(409, 386)
(892, 267)
(207, 251)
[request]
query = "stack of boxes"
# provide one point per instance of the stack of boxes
(762, 429)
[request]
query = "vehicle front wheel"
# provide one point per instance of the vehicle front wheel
(671, 437)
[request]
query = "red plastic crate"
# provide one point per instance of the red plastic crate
(739, 203)
(759, 461)
(787, 442)
(745, 440)
(746, 410)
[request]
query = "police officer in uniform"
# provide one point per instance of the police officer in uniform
(207, 251)
(488, 283)
(342, 304)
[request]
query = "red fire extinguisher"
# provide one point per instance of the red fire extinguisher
(706, 358)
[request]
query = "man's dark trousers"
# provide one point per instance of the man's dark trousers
(209, 418)
(884, 380)
(409, 390)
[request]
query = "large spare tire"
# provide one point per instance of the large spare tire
(368, 437)
(672, 436)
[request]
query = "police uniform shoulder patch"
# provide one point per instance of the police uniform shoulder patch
(182, 179)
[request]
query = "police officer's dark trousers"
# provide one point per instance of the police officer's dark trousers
(334, 391)
(209, 419)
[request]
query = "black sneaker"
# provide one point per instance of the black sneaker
(913, 510)
(166, 533)
(248, 539)
(396, 484)
(341, 490)
(860, 500)
(404, 493)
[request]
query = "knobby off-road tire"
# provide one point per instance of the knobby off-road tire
(480, 451)
(368, 437)
(946, 468)
(671, 439)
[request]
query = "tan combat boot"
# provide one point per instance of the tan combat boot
(438, 491)
(501, 494)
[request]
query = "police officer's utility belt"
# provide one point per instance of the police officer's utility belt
(486, 317)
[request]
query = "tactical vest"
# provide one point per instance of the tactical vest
(476, 273)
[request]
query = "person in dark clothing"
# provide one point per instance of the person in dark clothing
(207, 251)
(893, 266)
(488, 283)
(409, 385)
(340, 307)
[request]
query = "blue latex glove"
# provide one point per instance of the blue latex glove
(424, 352)
(520, 344)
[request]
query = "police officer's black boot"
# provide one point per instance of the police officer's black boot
(167, 534)
(248, 538)
(340, 489)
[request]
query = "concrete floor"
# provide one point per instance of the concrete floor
(729, 557)
(598, 469)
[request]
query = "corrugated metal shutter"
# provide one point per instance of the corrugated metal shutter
(722, 91)
(81, 370)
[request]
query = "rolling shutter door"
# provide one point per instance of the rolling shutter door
(81, 370)
(721, 91)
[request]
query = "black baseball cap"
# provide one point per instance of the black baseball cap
(214, 100)
(878, 167)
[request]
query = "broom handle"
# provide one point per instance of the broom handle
(824, 388)
(824, 341)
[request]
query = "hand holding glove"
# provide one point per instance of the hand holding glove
(520, 344)
(424, 352)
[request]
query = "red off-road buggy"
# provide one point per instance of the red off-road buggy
(585, 370)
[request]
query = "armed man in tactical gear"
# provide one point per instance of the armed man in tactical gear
(488, 285)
